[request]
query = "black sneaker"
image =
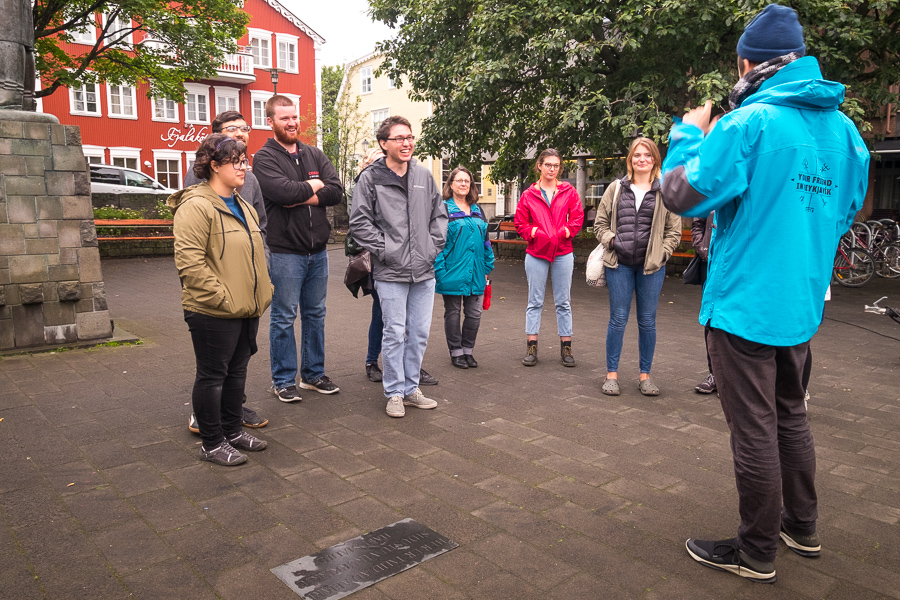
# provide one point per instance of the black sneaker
(193, 425)
(322, 385)
(724, 555)
(286, 394)
(531, 357)
(223, 454)
(426, 379)
(804, 545)
(249, 418)
(245, 441)
(373, 372)
(470, 360)
(707, 386)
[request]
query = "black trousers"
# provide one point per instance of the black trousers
(761, 391)
(222, 348)
(461, 340)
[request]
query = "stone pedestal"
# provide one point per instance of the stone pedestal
(51, 287)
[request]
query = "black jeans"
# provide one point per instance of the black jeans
(222, 348)
(462, 340)
(761, 391)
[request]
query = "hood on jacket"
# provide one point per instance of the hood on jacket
(382, 174)
(799, 85)
(178, 198)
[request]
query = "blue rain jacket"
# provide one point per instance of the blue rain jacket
(786, 173)
(467, 257)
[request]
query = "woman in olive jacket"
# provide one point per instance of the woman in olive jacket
(640, 234)
(221, 260)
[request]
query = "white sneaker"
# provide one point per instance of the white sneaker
(418, 399)
(806, 401)
(395, 407)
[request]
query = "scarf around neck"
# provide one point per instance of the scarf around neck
(755, 77)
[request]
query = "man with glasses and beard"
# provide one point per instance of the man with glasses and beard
(298, 182)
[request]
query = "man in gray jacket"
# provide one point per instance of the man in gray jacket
(400, 218)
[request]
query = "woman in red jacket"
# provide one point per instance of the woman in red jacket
(548, 216)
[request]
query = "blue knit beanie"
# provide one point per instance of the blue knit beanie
(775, 31)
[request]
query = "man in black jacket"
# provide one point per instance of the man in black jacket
(298, 182)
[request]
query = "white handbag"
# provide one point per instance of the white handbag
(596, 272)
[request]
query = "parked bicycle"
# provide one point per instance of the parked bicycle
(884, 310)
(868, 249)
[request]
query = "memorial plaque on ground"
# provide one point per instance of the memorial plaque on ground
(348, 567)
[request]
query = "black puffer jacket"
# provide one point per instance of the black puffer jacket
(633, 227)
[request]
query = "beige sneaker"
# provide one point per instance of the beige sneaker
(395, 407)
(418, 399)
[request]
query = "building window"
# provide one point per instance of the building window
(287, 52)
(94, 155)
(227, 99)
(445, 172)
(365, 80)
(196, 103)
(258, 100)
(88, 35)
(118, 29)
(122, 101)
(125, 157)
(261, 48)
(378, 116)
(85, 100)
(391, 83)
(165, 110)
(168, 167)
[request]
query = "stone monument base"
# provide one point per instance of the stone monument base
(51, 285)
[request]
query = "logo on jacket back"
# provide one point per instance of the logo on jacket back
(313, 175)
(813, 184)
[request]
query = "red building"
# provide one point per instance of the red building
(121, 126)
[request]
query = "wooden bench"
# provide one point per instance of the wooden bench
(686, 239)
(154, 224)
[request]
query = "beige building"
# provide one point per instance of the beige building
(381, 98)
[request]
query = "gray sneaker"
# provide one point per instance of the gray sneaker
(245, 441)
(223, 454)
(395, 407)
(418, 399)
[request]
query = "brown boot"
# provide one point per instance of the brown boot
(531, 357)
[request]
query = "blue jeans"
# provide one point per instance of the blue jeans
(406, 308)
(560, 270)
(300, 281)
(623, 283)
(376, 330)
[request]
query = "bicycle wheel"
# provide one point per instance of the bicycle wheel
(890, 266)
(853, 267)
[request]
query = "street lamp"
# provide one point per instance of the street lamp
(365, 145)
(274, 71)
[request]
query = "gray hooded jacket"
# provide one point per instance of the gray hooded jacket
(403, 230)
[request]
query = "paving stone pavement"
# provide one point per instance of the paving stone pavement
(552, 490)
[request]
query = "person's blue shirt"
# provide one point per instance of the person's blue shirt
(235, 208)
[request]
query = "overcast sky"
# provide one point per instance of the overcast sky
(348, 32)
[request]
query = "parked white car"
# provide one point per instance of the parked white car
(110, 179)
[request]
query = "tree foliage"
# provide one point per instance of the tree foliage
(189, 40)
(511, 76)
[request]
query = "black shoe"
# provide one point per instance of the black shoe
(249, 418)
(459, 362)
(724, 555)
(426, 379)
(373, 372)
(323, 385)
(707, 386)
(531, 357)
(565, 354)
(804, 545)
(470, 360)
(286, 394)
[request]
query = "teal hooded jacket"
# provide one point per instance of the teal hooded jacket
(467, 257)
(786, 172)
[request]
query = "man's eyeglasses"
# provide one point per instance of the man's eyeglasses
(233, 128)
(400, 140)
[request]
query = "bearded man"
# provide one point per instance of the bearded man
(298, 182)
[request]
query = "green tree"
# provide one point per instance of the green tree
(509, 76)
(189, 40)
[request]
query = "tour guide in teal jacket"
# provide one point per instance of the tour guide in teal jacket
(786, 173)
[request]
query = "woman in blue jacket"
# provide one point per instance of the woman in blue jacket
(461, 268)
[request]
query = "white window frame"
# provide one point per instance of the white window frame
(288, 41)
(88, 37)
(91, 151)
(126, 152)
(154, 117)
(129, 39)
(196, 89)
(392, 85)
(377, 121)
(227, 92)
(261, 96)
(169, 155)
(85, 113)
(260, 34)
(365, 80)
(109, 103)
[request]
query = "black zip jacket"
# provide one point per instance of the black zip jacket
(283, 181)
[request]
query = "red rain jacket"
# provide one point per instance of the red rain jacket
(565, 210)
